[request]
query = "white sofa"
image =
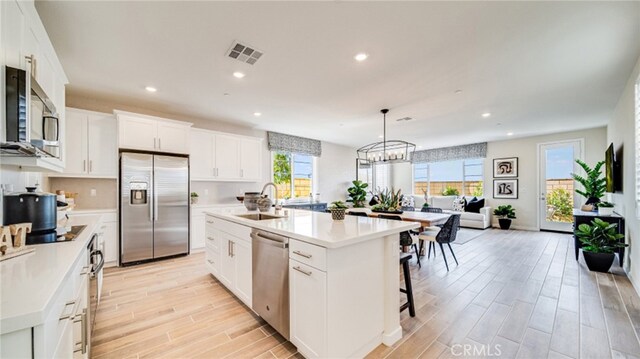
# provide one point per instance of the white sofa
(480, 220)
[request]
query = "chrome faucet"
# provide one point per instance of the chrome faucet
(275, 189)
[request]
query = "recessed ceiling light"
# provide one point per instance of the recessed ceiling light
(226, 94)
(509, 133)
(419, 146)
(238, 74)
(361, 57)
(257, 114)
(486, 114)
(151, 89)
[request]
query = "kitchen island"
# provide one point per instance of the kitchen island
(343, 276)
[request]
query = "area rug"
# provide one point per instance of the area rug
(466, 234)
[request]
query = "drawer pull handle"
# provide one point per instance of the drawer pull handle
(85, 270)
(83, 342)
(210, 238)
(68, 315)
(301, 254)
(307, 273)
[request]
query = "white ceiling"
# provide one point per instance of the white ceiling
(537, 67)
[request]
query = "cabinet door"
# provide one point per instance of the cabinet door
(213, 261)
(13, 27)
(197, 232)
(102, 144)
(251, 159)
(308, 296)
(227, 263)
(243, 283)
(137, 133)
(75, 143)
(111, 247)
(201, 155)
(227, 157)
(173, 137)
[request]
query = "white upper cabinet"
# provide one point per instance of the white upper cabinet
(251, 159)
(226, 157)
(140, 132)
(90, 146)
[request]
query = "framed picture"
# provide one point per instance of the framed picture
(505, 188)
(505, 167)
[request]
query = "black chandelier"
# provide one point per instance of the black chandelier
(391, 151)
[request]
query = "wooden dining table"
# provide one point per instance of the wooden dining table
(425, 219)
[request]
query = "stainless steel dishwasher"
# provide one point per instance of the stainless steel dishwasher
(271, 279)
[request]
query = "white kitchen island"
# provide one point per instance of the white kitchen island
(343, 275)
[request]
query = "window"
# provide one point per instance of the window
(462, 177)
(637, 107)
(381, 176)
(293, 174)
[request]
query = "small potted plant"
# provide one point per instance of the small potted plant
(194, 198)
(338, 209)
(594, 183)
(605, 208)
(505, 214)
(358, 194)
(599, 242)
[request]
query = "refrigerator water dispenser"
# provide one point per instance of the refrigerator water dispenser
(138, 193)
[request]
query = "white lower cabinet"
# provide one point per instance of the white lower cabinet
(108, 237)
(308, 309)
(228, 256)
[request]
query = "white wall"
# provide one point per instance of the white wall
(621, 133)
(526, 149)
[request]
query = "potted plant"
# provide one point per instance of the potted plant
(389, 201)
(505, 214)
(599, 242)
(594, 183)
(194, 197)
(358, 194)
(450, 191)
(605, 208)
(338, 209)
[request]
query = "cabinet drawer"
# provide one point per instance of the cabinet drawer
(236, 230)
(309, 254)
(212, 260)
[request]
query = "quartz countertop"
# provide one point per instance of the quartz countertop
(92, 211)
(29, 283)
(316, 227)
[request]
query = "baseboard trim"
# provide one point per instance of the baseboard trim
(389, 339)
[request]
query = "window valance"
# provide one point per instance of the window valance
(288, 143)
(463, 152)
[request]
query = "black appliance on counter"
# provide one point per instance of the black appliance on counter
(39, 209)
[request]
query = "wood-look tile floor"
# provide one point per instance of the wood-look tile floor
(515, 294)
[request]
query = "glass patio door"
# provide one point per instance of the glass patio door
(557, 195)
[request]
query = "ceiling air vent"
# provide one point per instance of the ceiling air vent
(244, 53)
(404, 119)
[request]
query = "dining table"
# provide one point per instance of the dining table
(426, 219)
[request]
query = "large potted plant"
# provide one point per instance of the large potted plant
(358, 194)
(594, 183)
(599, 242)
(505, 214)
(338, 210)
(389, 201)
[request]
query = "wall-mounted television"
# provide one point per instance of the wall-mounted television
(612, 170)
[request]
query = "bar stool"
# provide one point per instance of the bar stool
(404, 262)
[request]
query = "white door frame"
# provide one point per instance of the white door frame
(581, 156)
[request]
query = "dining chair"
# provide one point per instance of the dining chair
(431, 210)
(445, 235)
(408, 288)
(358, 214)
(405, 237)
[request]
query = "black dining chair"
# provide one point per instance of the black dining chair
(431, 210)
(405, 237)
(445, 235)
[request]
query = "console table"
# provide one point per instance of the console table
(580, 217)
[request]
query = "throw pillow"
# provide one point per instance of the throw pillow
(475, 206)
(459, 204)
(469, 201)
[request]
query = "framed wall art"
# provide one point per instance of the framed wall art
(505, 167)
(505, 188)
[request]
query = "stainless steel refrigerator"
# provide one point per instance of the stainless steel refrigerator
(154, 206)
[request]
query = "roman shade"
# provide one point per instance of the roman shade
(474, 150)
(288, 143)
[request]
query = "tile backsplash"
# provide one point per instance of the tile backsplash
(106, 191)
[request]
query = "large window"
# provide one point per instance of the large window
(293, 174)
(461, 177)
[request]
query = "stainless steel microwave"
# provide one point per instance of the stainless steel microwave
(31, 116)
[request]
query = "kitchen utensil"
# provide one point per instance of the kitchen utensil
(37, 208)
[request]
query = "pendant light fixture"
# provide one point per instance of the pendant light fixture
(386, 151)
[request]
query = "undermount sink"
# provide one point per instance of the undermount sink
(258, 216)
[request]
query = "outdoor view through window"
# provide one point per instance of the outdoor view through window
(293, 174)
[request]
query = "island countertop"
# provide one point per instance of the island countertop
(31, 281)
(316, 227)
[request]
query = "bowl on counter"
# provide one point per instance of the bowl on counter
(251, 200)
(240, 198)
